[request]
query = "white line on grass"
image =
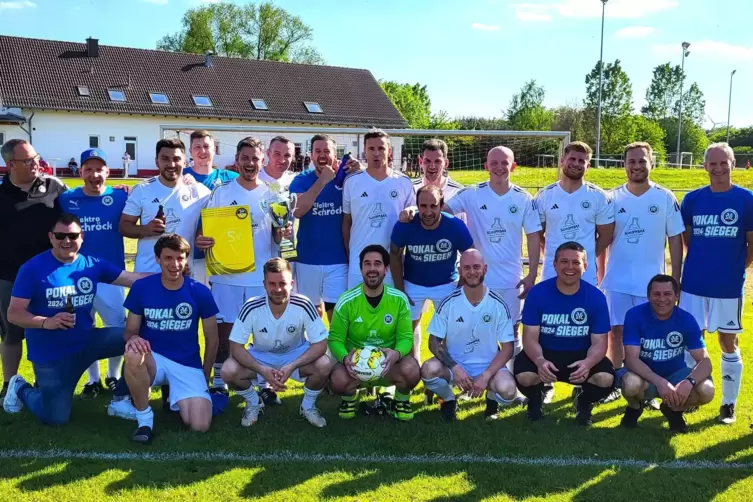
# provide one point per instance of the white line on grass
(278, 457)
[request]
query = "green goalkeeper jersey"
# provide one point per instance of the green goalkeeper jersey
(355, 323)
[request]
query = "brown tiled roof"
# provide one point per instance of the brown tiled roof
(44, 74)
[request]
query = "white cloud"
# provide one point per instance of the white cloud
(17, 5)
(634, 32)
(620, 9)
(484, 27)
(709, 48)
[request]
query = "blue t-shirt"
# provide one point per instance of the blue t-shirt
(170, 319)
(320, 235)
(99, 215)
(47, 283)
(662, 343)
(431, 255)
(719, 221)
(566, 321)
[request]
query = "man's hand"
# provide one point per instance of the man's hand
(353, 166)
(547, 371)
(581, 371)
(527, 282)
(407, 214)
(461, 378)
(61, 320)
(328, 174)
(287, 231)
(668, 393)
(138, 344)
(479, 385)
(348, 363)
(188, 179)
(283, 374)
(272, 377)
(155, 227)
(125, 188)
(390, 358)
(682, 391)
(203, 242)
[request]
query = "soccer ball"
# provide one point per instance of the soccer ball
(367, 363)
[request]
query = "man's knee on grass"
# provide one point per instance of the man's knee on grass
(405, 374)
(232, 372)
(433, 368)
(633, 386)
(602, 379)
(704, 392)
(196, 413)
(528, 379)
(504, 385)
(341, 382)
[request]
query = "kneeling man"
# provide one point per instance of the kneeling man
(656, 336)
(471, 338)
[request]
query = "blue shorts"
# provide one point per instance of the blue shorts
(652, 392)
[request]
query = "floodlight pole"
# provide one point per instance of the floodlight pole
(729, 107)
(685, 53)
(601, 84)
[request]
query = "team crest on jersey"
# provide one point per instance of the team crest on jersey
(585, 204)
(185, 197)
(388, 319)
(107, 200)
(579, 316)
(393, 194)
(487, 318)
(513, 209)
(653, 209)
(291, 328)
(85, 285)
(444, 245)
(674, 339)
(241, 213)
(729, 216)
(183, 310)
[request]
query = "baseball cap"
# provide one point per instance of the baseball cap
(93, 153)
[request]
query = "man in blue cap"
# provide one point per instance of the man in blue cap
(99, 208)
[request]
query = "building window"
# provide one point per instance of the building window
(340, 151)
(2, 138)
(313, 107)
(116, 95)
(82, 90)
(159, 98)
(259, 104)
(202, 101)
(93, 141)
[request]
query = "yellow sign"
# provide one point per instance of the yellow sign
(233, 250)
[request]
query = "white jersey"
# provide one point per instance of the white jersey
(497, 224)
(231, 193)
(449, 187)
(182, 205)
(296, 325)
(642, 225)
(284, 182)
(472, 333)
(375, 207)
(572, 217)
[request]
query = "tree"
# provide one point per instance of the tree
(571, 118)
(652, 133)
(616, 109)
(693, 105)
(527, 111)
(694, 138)
(250, 31)
(412, 101)
(482, 123)
(661, 96)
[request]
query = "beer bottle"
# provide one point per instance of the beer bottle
(161, 213)
(69, 308)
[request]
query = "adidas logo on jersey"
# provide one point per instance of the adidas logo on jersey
(155, 201)
(459, 319)
(731, 323)
(484, 207)
(263, 330)
(358, 319)
(622, 211)
(234, 203)
(728, 378)
(364, 194)
(555, 206)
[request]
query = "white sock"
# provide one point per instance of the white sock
(689, 361)
(93, 372)
(217, 380)
(113, 367)
(261, 383)
(517, 348)
(309, 398)
(732, 372)
(250, 395)
(145, 417)
(440, 387)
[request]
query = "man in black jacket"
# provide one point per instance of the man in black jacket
(29, 208)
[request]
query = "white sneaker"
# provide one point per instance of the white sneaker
(314, 417)
(548, 394)
(12, 403)
(251, 414)
(123, 408)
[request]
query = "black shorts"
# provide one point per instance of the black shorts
(9, 333)
(561, 359)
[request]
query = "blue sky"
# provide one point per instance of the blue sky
(472, 54)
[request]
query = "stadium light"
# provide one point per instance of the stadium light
(685, 53)
(729, 107)
(601, 83)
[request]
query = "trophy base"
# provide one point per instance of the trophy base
(290, 255)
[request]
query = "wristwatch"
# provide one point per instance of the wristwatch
(691, 380)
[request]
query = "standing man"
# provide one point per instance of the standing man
(29, 208)
(471, 339)
(289, 342)
(571, 210)
(565, 326)
(372, 200)
(231, 291)
(646, 216)
(378, 315)
(719, 241)
(434, 162)
(431, 243)
(657, 334)
(280, 155)
(180, 203)
(321, 273)
(162, 340)
(99, 208)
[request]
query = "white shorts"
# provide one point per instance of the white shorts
(108, 303)
(354, 280)
(474, 370)
(230, 299)
(321, 283)
(714, 314)
(514, 304)
(185, 382)
(277, 361)
(619, 304)
(199, 272)
(422, 295)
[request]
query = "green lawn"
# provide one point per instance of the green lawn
(376, 458)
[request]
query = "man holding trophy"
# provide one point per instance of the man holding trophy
(281, 208)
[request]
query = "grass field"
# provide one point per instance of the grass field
(376, 458)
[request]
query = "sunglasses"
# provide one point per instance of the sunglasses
(62, 235)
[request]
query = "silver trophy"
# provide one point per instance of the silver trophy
(281, 208)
